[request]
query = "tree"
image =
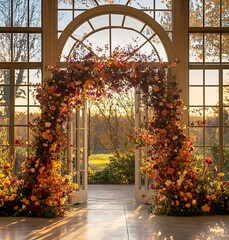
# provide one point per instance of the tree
(112, 121)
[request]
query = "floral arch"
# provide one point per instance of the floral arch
(179, 187)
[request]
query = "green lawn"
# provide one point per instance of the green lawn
(97, 162)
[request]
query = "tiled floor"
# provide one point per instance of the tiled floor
(111, 213)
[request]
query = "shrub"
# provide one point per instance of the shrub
(120, 170)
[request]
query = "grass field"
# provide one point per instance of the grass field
(97, 162)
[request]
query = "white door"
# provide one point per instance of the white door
(77, 152)
(143, 192)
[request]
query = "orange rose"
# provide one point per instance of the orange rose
(187, 205)
(156, 88)
(33, 198)
(170, 170)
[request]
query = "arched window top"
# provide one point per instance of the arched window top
(159, 10)
(115, 26)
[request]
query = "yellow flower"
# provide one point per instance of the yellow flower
(220, 174)
(48, 124)
(205, 208)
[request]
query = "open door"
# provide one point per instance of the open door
(143, 192)
(77, 152)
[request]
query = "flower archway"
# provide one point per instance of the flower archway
(42, 191)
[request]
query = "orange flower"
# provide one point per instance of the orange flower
(177, 202)
(45, 135)
(187, 205)
(213, 196)
(205, 208)
(164, 112)
(53, 147)
(170, 170)
(189, 195)
(33, 198)
(156, 88)
(11, 198)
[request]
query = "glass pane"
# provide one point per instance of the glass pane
(196, 13)
(21, 97)
(196, 116)
(79, 4)
(196, 47)
(146, 4)
(212, 116)
(212, 47)
(133, 23)
(4, 95)
(4, 135)
(226, 95)
(212, 13)
(226, 164)
(4, 76)
(211, 136)
(32, 96)
(65, 4)
(211, 77)
(20, 13)
(4, 115)
(20, 47)
(147, 32)
(225, 47)
(67, 48)
(226, 116)
(20, 156)
(164, 18)
(20, 116)
(64, 18)
(20, 133)
(214, 153)
(196, 95)
(196, 133)
(5, 13)
(211, 96)
(82, 30)
(160, 48)
(226, 136)
(35, 76)
(116, 19)
(21, 77)
(163, 4)
(100, 21)
(98, 42)
(34, 112)
(5, 46)
(196, 77)
(226, 77)
(225, 13)
(35, 13)
(35, 47)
